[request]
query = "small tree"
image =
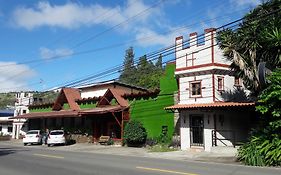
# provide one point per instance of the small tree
(134, 133)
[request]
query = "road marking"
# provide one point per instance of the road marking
(49, 156)
(165, 171)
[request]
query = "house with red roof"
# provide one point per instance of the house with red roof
(212, 102)
(97, 110)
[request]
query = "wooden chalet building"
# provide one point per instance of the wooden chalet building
(102, 111)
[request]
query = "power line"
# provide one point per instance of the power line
(171, 49)
(119, 24)
(113, 45)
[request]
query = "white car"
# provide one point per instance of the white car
(56, 137)
(32, 137)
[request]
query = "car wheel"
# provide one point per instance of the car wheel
(49, 145)
(24, 144)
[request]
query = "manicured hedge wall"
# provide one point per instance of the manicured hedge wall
(151, 111)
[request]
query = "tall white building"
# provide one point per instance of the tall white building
(210, 114)
(23, 99)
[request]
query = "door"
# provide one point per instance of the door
(196, 130)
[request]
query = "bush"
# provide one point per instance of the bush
(261, 152)
(134, 133)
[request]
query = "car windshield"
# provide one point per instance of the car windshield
(56, 133)
(32, 132)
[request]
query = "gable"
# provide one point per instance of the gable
(67, 95)
(113, 95)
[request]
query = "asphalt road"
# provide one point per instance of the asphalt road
(41, 161)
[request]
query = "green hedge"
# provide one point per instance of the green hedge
(151, 113)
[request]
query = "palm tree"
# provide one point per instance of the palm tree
(258, 38)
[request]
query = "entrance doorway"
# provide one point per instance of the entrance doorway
(196, 130)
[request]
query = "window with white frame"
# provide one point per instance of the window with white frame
(195, 89)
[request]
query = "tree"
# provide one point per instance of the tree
(159, 63)
(145, 74)
(257, 39)
(129, 70)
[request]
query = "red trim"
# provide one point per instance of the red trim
(213, 81)
(193, 34)
(179, 37)
(203, 65)
(212, 105)
(209, 30)
(212, 47)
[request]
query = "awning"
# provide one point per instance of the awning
(52, 114)
(102, 110)
(215, 105)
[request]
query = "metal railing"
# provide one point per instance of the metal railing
(231, 137)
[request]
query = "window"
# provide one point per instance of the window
(195, 89)
(236, 81)
(24, 111)
(220, 84)
(10, 128)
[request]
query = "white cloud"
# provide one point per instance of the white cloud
(240, 3)
(46, 53)
(14, 77)
(72, 15)
(147, 37)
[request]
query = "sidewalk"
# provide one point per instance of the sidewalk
(219, 157)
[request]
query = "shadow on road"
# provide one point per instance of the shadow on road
(6, 151)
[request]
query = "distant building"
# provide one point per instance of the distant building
(23, 100)
(6, 124)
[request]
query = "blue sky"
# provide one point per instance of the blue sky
(33, 33)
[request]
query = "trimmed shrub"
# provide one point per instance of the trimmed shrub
(134, 133)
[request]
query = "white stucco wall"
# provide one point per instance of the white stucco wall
(201, 53)
(207, 93)
(184, 131)
(90, 93)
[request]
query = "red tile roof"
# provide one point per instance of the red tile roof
(113, 93)
(211, 105)
(71, 113)
(52, 114)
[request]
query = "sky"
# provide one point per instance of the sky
(47, 44)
